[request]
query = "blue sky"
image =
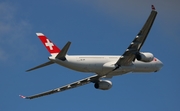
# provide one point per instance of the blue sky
(94, 27)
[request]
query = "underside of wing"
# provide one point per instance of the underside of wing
(129, 55)
(87, 80)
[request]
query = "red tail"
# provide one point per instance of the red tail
(51, 47)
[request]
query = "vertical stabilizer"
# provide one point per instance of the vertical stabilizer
(51, 47)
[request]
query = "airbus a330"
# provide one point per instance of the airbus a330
(103, 66)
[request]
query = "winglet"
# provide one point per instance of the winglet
(153, 8)
(22, 96)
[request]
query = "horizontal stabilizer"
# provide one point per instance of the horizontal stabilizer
(63, 52)
(42, 65)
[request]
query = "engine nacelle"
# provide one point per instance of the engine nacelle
(103, 85)
(145, 56)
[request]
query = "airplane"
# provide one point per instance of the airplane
(103, 66)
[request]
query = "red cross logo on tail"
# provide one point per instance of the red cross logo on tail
(51, 47)
(49, 44)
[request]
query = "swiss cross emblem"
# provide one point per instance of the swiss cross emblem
(49, 44)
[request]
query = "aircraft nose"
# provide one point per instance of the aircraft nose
(159, 64)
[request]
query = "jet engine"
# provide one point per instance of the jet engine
(103, 85)
(145, 56)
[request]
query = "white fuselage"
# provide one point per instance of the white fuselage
(104, 64)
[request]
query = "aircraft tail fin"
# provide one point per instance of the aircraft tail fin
(51, 47)
(53, 50)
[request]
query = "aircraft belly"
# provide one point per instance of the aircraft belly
(81, 66)
(121, 70)
(103, 69)
(71, 65)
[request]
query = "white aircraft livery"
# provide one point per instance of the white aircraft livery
(103, 66)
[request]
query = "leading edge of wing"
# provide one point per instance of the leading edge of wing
(137, 43)
(87, 80)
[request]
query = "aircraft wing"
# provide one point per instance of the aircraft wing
(135, 46)
(87, 80)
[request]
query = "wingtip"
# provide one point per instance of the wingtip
(22, 96)
(153, 8)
